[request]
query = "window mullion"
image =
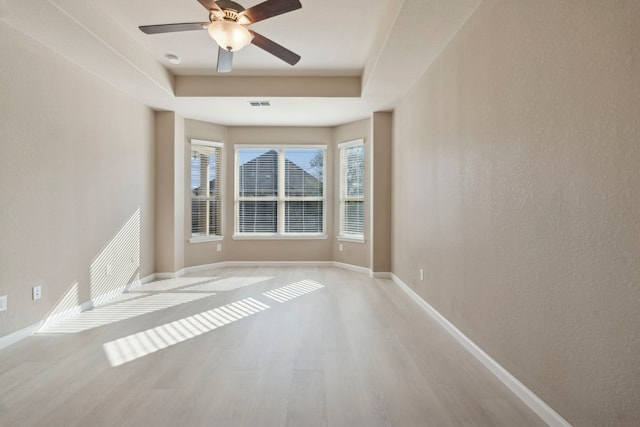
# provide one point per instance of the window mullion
(281, 192)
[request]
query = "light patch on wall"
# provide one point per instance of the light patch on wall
(67, 307)
(143, 343)
(118, 263)
(292, 291)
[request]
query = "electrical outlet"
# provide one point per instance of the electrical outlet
(3, 303)
(36, 292)
(421, 275)
(219, 248)
(340, 247)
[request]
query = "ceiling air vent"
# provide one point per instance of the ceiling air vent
(260, 103)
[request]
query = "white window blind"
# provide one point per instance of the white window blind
(352, 190)
(280, 191)
(206, 185)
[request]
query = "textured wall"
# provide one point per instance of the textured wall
(516, 177)
(76, 183)
(169, 192)
(381, 138)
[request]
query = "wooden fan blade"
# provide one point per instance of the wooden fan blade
(270, 8)
(210, 5)
(225, 60)
(173, 28)
(274, 48)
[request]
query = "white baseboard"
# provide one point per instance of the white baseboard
(106, 297)
(350, 267)
(138, 283)
(198, 268)
(536, 404)
(278, 264)
(380, 275)
(16, 336)
(21, 334)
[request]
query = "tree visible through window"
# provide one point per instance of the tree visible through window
(280, 191)
(352, 190)
(206, 200)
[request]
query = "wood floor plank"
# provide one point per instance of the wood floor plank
(266, 347)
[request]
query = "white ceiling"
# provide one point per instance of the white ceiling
(379, 47)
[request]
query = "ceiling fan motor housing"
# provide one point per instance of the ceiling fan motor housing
(230, 8)
(231, 12)
(228, 22)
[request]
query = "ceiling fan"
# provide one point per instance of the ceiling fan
(228, 22)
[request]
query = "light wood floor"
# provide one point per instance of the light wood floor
(335, 349)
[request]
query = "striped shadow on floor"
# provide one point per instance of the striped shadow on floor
(292, 291)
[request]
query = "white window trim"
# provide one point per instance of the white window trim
(355, 238)
(288, 236)
(214, 144)
(349, 144)
(207, 143)
(350, 238)
(204, 239)
(281, 199)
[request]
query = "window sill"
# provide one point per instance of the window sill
(351, 239)
(204, 239)
(280, 237)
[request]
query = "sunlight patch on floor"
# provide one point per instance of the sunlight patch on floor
(143, 343)
(228, 284)
(171, 284)
(118, 311)
(292, 291)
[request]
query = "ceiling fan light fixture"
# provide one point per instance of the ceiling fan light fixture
(229, 35)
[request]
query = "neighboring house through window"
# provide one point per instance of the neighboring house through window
(206, 195)
(352, 190)
(280, 191)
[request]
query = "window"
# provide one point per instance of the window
(206, 185)
(280, 191)
(352, 190)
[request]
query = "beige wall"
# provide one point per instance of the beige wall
(516, 169)
(76, 166)
(169, 192)
(381, 145)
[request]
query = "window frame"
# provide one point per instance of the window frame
(344, 197)
(218, 196)
(281, 198)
